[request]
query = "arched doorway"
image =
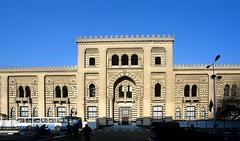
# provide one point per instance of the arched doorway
(124, 99)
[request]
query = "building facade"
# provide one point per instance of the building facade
(118, 80)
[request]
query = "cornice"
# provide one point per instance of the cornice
(72, 68)
(125, 38)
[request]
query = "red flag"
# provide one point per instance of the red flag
(210, 105)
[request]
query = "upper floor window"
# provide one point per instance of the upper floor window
(134, 59)
(186, 90)
(234, 90)
(157, 60)
(226, 90)
(124, 59)
(92, 90)
(21, 91)
(121, 93)
(157, 90)
(65, 91)
(58, 92)
(92, 61)
(129, 92)
(194, 90)
(115, 60)
(28, 91)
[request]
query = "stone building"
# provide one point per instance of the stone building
(118, 80)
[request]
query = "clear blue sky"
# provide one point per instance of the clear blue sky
(43, 32)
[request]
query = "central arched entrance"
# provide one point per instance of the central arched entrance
(124, 99)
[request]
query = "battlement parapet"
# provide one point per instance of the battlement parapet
(125, 38)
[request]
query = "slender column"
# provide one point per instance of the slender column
(80, 83)
(146, 84)
(4, 94)
(41, 93)
(102, 86)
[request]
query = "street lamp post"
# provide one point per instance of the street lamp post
(214, 77)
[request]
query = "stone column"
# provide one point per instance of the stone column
(102, 86)
(4, 94)
(146, 83)
(170, 83)
(41, 95)
(80, 83)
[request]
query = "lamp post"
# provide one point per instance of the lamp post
(214, 77)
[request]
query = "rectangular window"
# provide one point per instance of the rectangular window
(92, 112)
(190, 113)
(157, 112)
(23, 111)
(92, 61)
(157, 60)
(61, 111)
(202, 114)
(178, 114)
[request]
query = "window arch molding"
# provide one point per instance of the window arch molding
(92, 89)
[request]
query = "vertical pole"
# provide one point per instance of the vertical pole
(214, 103)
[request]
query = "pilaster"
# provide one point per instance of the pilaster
(41, 93)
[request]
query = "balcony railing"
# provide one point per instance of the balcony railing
(191, 99)
(22, 99)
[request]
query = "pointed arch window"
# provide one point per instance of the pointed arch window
(226, 90)
(58, 92)
(65, 91)
(92, 90)
(121, 93)
(158, 90)
(115, 60)
(21, 91)
(194, 90)
(124, 59)
(28, 91)
(129, 92)
(134, 59)
(234, 90)
(186, 90)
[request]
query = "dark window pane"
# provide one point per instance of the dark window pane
(157, 60)
(194, 90)
(134, 59)
(92, 61)
(115, 60)
(124, 59)
(157, 90)
(65, 91)
(186, 90)
(58, 92)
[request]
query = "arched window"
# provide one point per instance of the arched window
(129, 92)
(124, 59)
(226, 90)
(157, 60)
(134, 59)
(234, 90)
(21, 91)
(157, 90)
(65, 91)
(92, 90)
(194, 90)
(121, 93)
(28, 91)
(58, 92)
(115, 60)
(186, 90)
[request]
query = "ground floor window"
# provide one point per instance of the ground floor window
(92, 112)
(61, 111)
(178, 114)
(190, 113)
(23, 111)
(157, 112)
(202, 113)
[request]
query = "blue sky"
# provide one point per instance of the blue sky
(43, 32)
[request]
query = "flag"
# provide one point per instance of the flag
(210, 105)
